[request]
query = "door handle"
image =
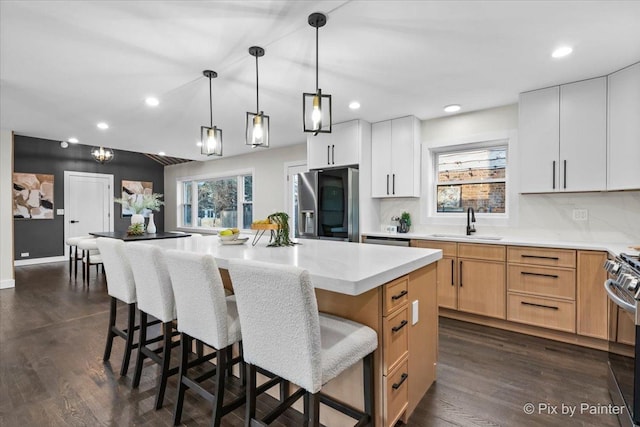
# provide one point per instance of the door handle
(73, 221)
(394, 184)
(333, 154)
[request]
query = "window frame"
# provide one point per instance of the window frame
(428, 199)
(239, 175)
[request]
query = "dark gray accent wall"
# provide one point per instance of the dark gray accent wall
(45, 237)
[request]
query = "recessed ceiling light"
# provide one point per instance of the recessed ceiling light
(152, 102)
(73, 140)
(452, 108)
(161, 153)
(64, 144)
(199, 143)
(102, 125)
(354, 105)
(562, 51)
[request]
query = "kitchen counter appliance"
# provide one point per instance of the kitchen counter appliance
(623, 288)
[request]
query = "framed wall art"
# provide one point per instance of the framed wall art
(32, 196)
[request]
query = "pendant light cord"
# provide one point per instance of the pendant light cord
(257, 93)
(316, 59)
(210, 105)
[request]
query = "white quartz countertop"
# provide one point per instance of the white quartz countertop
(612, 247)
(346, 268)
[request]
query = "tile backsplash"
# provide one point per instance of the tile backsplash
(612, 217)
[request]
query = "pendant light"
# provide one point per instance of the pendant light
(316, 107)
(257, 128)
(211, 136)
(102, 155)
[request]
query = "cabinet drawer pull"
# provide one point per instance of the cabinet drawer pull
(528, 273)
(565, 174)
(403, 378)
(393, 187)
(452, 284)
(328, 155)
(460, 279)
(400, 295)
(333, 154)
(555, 258)
(538, 305)
(387, 183)
(400, 326)
(554, 174)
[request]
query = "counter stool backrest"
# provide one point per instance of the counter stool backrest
(120, 283)
(151, 276)
(279, 319)
(200, 299)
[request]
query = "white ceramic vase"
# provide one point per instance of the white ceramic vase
(137, 219)
(151, 227)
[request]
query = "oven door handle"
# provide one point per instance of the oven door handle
(608, 285)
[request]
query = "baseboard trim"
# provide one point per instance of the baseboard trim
(21, 262)
(7, 283)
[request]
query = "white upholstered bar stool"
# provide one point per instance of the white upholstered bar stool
(208, 316)
(90, 256)
(155, 298)
(120, 287)
(283, 333)
(74, 255)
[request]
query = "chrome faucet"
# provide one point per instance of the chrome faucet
(471, 218)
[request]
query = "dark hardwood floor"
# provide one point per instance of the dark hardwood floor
(52, 333)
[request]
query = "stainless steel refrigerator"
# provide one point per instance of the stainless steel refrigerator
(328, 204)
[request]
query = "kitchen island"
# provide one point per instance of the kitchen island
(390, 289)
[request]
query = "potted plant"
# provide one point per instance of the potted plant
(405, 222)
(138, 203)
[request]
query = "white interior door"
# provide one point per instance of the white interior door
(291, 193)
(88, 201)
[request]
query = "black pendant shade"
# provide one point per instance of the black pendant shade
(316, 107)
(257, 125)
(210, 136)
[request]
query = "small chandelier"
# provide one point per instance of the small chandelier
(257, 127)
(102, 155)
(316, 107)
(211, 136)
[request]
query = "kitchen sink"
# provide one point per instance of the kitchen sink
(464, 236)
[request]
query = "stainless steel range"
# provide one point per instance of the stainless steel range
(623, 288)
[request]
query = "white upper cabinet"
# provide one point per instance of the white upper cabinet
(539, 140)
(341, 147)
(583, 135)
(395, 158)
(624, 129)
(562, 138)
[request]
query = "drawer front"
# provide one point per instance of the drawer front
(396, 389)
(543, 256)
(395, 294)
(396, 339)
(480, 251)
(447, 248)
(544, 281)
(544, 312)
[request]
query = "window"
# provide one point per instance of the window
(472, 178)
(219, 202)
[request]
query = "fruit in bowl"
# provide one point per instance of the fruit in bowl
(229, 234)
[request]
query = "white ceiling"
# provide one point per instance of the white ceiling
(66, 65)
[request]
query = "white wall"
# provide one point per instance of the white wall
(268, 178)
(613, 216)
(6, 210)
